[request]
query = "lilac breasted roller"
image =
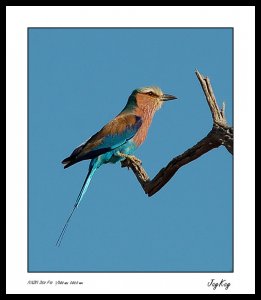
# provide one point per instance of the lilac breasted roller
(119, 138)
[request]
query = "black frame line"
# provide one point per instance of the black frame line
(219, 272)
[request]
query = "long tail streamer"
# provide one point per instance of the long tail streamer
(79, 199)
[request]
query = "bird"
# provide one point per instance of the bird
(118, 139)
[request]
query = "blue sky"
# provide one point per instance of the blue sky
(78, 80)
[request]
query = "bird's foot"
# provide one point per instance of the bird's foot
(132, 158)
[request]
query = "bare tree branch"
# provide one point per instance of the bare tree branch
(220, 134)
(217, 115)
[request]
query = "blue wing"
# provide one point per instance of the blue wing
(113, 135)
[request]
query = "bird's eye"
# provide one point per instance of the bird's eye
(150, 93)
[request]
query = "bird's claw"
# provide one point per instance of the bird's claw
(131, 158)
(134, 159)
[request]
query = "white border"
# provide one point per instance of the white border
(18, 19)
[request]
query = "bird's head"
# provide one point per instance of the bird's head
(149, 98)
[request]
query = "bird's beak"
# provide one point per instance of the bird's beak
(167, 97)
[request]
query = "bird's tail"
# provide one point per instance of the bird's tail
(84, 188)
